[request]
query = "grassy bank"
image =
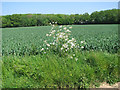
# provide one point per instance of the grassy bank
(51, 70)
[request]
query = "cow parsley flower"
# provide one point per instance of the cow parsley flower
(68, 30)
(60, 26)
(42, 49)
(64, 28)
(48, 45)
(76, 59)
(73, 54)
(82, 47)
(61, 48)
(47, 34)
(61, 42)
(65, 45)
(82, 42)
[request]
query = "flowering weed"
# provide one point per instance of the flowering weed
(62, 41)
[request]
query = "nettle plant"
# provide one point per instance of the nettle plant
(61, 41)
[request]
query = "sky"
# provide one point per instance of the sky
(9, 8)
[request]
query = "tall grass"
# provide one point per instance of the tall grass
(53, 71)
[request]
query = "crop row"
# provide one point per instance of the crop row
(29, 40)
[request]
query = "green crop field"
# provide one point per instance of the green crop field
(24, 66)
(29, 40)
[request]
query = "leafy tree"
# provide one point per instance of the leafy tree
(25, 20)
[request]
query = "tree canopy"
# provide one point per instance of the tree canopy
(25, 20)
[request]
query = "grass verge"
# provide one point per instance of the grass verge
(53, 71)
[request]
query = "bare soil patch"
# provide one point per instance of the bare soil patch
(106, 85)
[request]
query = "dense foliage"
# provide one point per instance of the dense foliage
(29, 40)
(24, 20)
(52, 71)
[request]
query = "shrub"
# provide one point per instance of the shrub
(61, 41)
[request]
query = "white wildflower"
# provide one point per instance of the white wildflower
(60, 26)
(42, 49)
(48, 45)
(66, 39)
(53, 43)
(82, 47)
(69, 41)
(47, 34)
(68, 30)
(73, 54)
(45, 41)
(66, 36)
(65, 45)
(61, 39)
(61, 48)
(70, 27)
(64, 28)
(73, 39)
(82, 42)
(52, 32)
(72, 44)
(76, 59)
(71, 57)
(60, 29)
(60, 36)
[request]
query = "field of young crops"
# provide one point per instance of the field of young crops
(79, 56)
(29, 40)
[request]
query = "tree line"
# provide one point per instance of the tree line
(25, 20)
